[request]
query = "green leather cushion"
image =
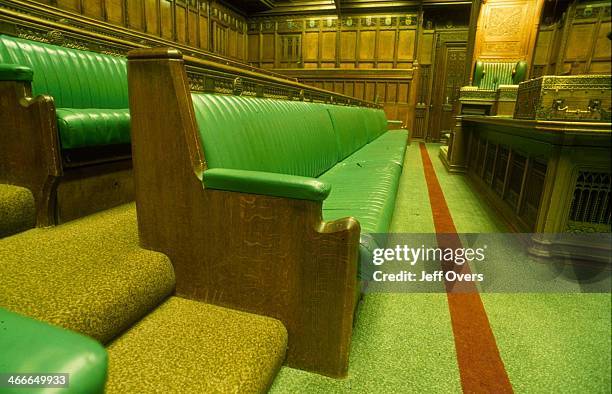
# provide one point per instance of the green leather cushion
(74, 78)
(15, 72)
(30, 346)
(349, 125)
(388, 148)
(279, 136)
(363, 191)
(93, 127)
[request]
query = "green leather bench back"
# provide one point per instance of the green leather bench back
(489, 75)
(349, 126)
(280, 136)
(75, 78)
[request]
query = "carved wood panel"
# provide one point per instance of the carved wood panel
(507, 29)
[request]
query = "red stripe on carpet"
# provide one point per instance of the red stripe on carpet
(480, 365)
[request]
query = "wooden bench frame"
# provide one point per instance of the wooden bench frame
(31, 156)
(267, 255)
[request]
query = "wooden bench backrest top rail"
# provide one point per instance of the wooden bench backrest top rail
(273, 256)
(49, 23)
(260, 84)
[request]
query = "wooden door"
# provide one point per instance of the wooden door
(448, 73)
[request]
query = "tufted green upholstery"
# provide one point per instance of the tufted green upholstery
(489, 75)
(89, 89)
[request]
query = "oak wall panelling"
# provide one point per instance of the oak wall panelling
(345, 55)
(186, 22)
(577, 40)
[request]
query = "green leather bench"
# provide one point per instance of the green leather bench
(65, 116)
(89, 89)
(262, 205)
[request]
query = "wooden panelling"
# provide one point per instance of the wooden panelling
(310, 46)
(204, 40)
(193, 28)
(253, 48)
(135, 11)
(114, 11)
(267, 47)
(405, 45)
(367, 45)
(348, 41)
(390, 87)
(152, 17)
(602, 48)
(70, 5)
(328, 45)
(576, 48)
(182, 21)
(93, 8)
(543, 47)
(386, 45)
(507, 30)
(167, 28)
(577, 43)
(377, 41)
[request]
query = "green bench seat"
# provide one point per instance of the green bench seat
(81, 128)
(390, 147)
(89, 89)
(365, 192)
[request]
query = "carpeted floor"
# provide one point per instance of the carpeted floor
(404, 342)
(17, 211)
(88, 275)
(198, 348)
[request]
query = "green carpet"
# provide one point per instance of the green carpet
(404, 343)
(191, 347)
(88, 275)
(17, 210)
(549, 342)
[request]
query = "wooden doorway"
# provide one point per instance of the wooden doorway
(447, 77)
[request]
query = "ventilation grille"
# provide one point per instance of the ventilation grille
(590, 209)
